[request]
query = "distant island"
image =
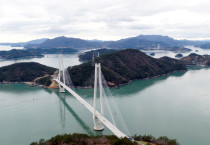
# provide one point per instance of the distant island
(53, 50)
(152, 54)
(196, 59)
(141, 42)
(83, 139)
(19, 54)
(179, 55)
(34, 53)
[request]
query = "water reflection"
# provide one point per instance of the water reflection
(198, 67)
(18, 88)
(140, 85)
(175, 105)
(62, 98)
(132, 88)
(62, 111)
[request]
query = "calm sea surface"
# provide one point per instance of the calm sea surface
(176, 105)
(7, 47)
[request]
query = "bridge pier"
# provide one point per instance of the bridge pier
(61, 90)
(98, 83)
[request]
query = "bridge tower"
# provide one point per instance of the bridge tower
(98, 85)
(61, 73)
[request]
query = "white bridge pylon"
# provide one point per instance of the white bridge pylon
(98, 82)
(61, 73)
(98, 118)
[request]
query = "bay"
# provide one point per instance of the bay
(176, 105)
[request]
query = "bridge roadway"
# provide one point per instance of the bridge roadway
(106, 122)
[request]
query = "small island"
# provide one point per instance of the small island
(152, 54)
(19, 54)
(180, 49)
(179, 55)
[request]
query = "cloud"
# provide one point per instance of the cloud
(23, 20)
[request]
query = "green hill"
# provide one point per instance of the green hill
(33, 53)
(24, 72)
(83, 139)
(124, 66)
(19, 54)
(196, 59)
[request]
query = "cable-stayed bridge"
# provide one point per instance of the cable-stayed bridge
(98, 117)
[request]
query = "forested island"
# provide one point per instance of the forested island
(34, 53)
(24, 72)
(53, 50)
(83, 139)
(19, 54)
(123, 66)
(118, 68)
(196, 59)
(179, 55)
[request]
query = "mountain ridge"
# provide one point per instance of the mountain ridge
(139, 42)
(22, 44)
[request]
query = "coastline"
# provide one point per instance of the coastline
(30, 84)
(54, 85)
(148, 78)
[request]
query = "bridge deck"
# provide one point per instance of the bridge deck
(106, 122)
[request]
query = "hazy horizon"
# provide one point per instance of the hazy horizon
(198, 39)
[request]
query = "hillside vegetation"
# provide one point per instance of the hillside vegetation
(196, 59)
(45, 81)
(24, 72)
(123, 66)
(19, 54)
(83, 139)
(33, 53)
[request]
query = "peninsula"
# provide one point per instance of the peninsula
(124, 66)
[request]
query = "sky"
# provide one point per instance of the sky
(24, 20)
